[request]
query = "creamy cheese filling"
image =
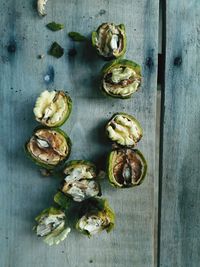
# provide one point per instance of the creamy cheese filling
(50, 107)
(92, 224)
(124, 131)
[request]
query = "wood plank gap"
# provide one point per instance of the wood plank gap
(161, 72)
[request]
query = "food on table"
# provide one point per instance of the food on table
(110, 40)
(41, 4)
(51, 226)
(56, 50)
(53, 108)
(53, 26)
(126, 167)
(121, 78)
(77, 37)
(48, 147)
(95, 216)
(124, 129)
(80, 180)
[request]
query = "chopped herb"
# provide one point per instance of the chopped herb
(77, 37)
(53, 26)
(56, 50)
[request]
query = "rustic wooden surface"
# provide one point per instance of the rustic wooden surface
(24, 193)
(180, 219)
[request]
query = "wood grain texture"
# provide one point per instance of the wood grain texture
(23, 192)
(180, 219)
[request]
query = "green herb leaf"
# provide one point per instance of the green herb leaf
(53, 26)
(56, 50)
(77, 37)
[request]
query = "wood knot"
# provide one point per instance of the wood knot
(177, 61)
(149, 62)
(12, 47)
(72, 52)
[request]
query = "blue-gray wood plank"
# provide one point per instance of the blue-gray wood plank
(180, 202)
(24, 192)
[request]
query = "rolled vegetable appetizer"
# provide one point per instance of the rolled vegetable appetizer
(126, 167)
(96, 217)
(79, 182)
(110, 40)
(51, 226)
(124, 129)
(48, 147)
(53, 108)
(121, 78)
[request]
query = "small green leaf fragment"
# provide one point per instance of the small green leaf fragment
(56, 50)
(53, 26)
(77, 37)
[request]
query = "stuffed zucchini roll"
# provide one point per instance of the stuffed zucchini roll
(121, 78)
(51, 226)
(124, 129)
(110, 40)
(53, 108)
(126, 167)
(48, 147)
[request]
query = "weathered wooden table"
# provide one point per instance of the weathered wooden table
(158, 222)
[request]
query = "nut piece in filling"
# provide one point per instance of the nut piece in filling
(79, 182)
(53, 108)
(124, 129)
(48, 147)
(126, 167)
(98, 217)
(121, 78)
(41, 5)
(51, 226)
(110, 40)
